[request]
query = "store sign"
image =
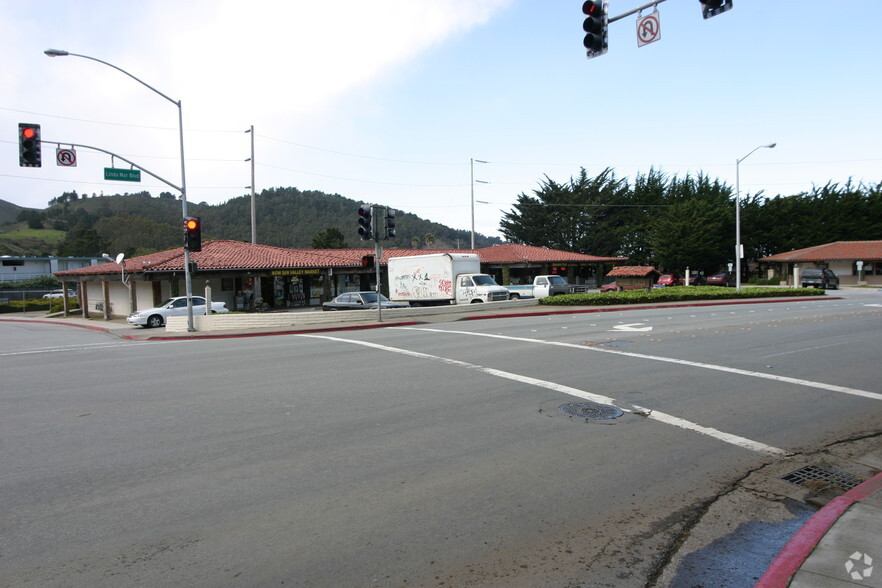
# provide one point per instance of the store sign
(296, 272)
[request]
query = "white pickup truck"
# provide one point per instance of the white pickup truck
(542, 287)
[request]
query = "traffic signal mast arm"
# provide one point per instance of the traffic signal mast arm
(634, 11)
(132, 163)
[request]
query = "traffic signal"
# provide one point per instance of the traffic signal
(365, 222)
(29, 146)
(367, 261)
(192, 234)
(390, 223)
(595, 26)
(711, 8)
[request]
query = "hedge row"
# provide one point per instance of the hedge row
(37, 304)
(674, 294)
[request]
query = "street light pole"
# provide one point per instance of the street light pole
(738, 213)
(187, 276)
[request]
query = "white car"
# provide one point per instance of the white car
(60, 294)
(156, 317)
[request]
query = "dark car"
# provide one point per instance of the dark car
(698, 279)
(359, 301)
(815, 277)
(723, 279)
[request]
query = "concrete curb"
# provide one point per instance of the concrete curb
(795, 552)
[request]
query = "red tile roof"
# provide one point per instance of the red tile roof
(633, 271)
(512, 253)
(838, 251)
(238, 255)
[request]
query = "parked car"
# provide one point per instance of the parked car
(698, 279)
(669, 280)
(614, 287)
(156, 317)
(60, 294)
(360, 301)
(815, 277)
(723, 279)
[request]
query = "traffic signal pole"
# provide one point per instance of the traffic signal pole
(378, 252)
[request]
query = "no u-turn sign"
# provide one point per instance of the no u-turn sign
(648, 29)
(66, 157)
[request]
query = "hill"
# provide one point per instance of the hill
(137, 224)
(9, 212)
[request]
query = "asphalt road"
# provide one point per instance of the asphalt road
(422, 456)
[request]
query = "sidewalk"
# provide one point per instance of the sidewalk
(840, 546)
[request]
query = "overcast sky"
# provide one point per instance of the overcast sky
(387, 101)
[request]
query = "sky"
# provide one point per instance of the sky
(428, 106)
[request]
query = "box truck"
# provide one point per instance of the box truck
(443, 278)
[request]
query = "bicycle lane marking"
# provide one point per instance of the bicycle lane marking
(736, 440)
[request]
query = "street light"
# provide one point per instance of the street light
(187, 276)
(738, 214)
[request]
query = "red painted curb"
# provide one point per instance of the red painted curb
(49, 322)
(270, 333)
(796, 551)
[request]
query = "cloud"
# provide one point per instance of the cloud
(298, 58)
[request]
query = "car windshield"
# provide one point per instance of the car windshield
(811, 273)
(556, 280)
(484, 281)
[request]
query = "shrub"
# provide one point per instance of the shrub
(674, 294)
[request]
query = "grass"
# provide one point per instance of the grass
(50, 235)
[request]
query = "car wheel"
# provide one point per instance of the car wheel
(514, 296)
(154, 321)
(477, 301)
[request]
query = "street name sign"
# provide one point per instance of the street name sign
(123, 175)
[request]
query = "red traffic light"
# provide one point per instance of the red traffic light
(30, 148)
(592, 7)
(192, 234)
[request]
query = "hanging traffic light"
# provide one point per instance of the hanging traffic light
(711, 8)
(365, 222)
(596, 26)
(390, 223)
(29, 146)
(367, 261)
(192, 234)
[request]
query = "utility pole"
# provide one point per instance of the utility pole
(253, 213)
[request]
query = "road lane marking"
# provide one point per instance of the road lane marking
(84, 347)
(742, 442)
(630, 327)
(686, 362)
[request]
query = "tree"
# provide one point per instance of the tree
(330, 238)
(580, 216)
(31, 216)
(82, 242)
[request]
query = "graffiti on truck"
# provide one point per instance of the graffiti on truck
(421, 285)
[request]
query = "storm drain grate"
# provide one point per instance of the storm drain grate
(591, 410)
(820, 474)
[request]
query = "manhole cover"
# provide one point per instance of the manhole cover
(591, 410)
(821, 474)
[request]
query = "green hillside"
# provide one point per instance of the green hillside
(137, 224)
